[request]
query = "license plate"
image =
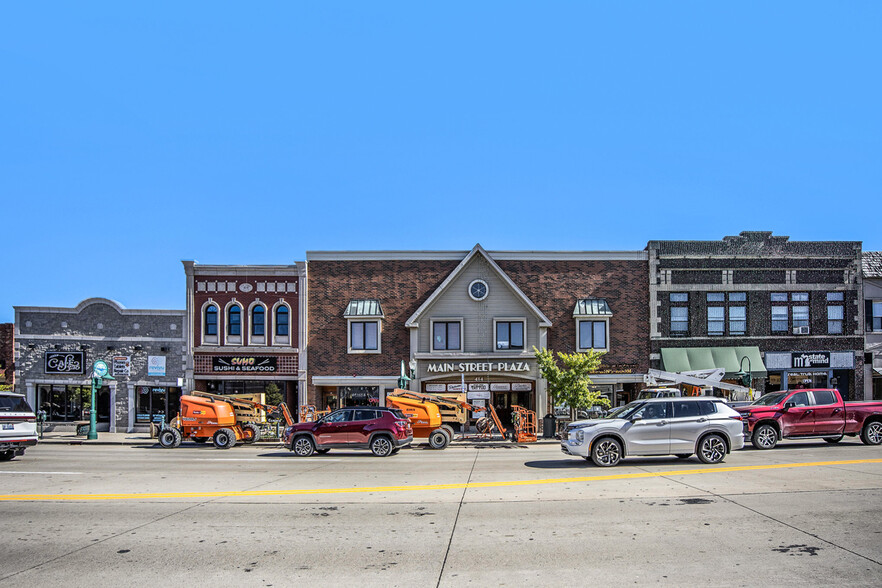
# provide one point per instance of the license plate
(8, 427)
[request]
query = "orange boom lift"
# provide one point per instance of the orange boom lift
(425, 416)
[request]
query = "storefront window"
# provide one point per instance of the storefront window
(800, 380)
(72, 403)
(359, 395)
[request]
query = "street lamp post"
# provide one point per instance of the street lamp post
(99, 374)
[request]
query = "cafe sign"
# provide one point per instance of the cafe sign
(243, 364)
(811, 359)
(469, 367)
(65, 362)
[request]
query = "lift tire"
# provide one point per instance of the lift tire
(438, 439)
(224, 438)
(167, 438)
(255, 433)
(179, 437)
(449, 429)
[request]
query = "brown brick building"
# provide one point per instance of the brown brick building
(245, 327)
(792, 308)
(471, 317)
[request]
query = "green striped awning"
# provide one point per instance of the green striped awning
(688, 359)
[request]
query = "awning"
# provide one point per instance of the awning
(592, 307)
(688, 359)
(878, 371)
(363, 308)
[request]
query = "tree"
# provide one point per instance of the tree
(273, 394)
(571, 383)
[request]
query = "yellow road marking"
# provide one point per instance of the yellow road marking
(472, 485)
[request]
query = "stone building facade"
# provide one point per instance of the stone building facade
(245, 325)
(471, 317)
(7, 355)
(145, 350)
(790, 311)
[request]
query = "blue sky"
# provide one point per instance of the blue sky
(135, 136)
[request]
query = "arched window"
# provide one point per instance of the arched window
(211, 320)
(282, 321)
(234, 320)
(258, 321)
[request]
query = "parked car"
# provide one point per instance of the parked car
(382, 430)
(803, 414)
(18, 425)
(658, 426)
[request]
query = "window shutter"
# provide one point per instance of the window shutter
(868, 314)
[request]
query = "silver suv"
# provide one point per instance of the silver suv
(18, 425)
(658, 426)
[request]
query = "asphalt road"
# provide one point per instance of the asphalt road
(805, 513)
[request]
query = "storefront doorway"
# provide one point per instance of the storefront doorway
(358, 396)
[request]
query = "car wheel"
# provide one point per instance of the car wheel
(834, 439)
(606, 452)
(255, 433)
(381, 446)
(764, 437)
(7, 455)
(438, 439)
(303, 446)
(872, 433)
(712, 449)
(167, 438)
(684, 455)
(224, 438)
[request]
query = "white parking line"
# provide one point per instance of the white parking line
(44, 473)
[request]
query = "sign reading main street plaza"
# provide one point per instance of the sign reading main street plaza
(243, 364)
(468, 367)
(65, 362)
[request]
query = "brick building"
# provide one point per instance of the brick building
(792, 308)
(872, 282)
(7, 355)
(473, 317)
(245, 327)
(144, 349)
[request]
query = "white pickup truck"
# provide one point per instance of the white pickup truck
(18, 425)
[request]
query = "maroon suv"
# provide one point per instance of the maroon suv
(382, 430)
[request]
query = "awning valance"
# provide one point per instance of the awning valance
(688, 359)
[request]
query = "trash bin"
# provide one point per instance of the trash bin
(549, 427)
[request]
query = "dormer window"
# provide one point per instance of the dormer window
(364, 329)
(592, 324)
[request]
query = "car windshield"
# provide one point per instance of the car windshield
(625, 411)
(770, 399)
(13, 404)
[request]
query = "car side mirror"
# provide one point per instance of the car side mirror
(634, 419)
(789, 405)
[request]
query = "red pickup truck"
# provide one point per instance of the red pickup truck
(800, 414)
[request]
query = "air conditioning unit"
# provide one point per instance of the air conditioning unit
(800, 330)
